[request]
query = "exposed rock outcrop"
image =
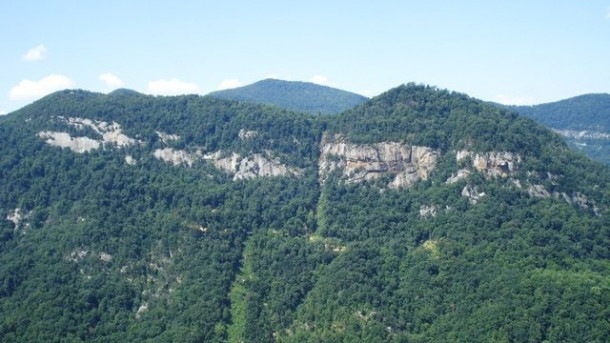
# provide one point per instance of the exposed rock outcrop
(167, 137)
(64, 140)
(130, 160)
(110, 134)
(461, 174)
(538, 191)
(583, 134)
(17, 217)
(578, 199)
(77, 255)
(252, 166)
(359, 162)
(427, 211)
(245, 134)
(494, 163)
(177, 157)
(472, 193)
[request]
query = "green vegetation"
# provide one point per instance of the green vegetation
(93, 248)
(295, 96)
(584, 121)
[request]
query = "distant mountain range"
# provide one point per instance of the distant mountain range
(294, 95)
(583, 120)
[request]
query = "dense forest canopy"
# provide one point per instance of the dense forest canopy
(420, 215)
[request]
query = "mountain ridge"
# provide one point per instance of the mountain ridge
(583, 120)
(294, 95)
(420, 214)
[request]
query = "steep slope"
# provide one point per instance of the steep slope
(295, 96)
(126, 241)
(583, 120)
(420, 215)
(488, 246)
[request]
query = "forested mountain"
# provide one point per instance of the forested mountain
(294, 95)
(583, 120)
(420, 215)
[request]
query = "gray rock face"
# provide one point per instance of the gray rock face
(64, 140)
(252, 166)
(472, 193)
(167, 137)
(360, 162)
(494, 163)
(578, 199)
(538, 191)
(461, 174)
(427, 211)
(245, 134)
(258, 166)
(110, 134)
(176, 157)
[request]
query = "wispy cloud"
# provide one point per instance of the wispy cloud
(111, 80)
(319, 79)
(171, 87)
(2, 112)
(228, 83)
(29, 90)
(367, 93)
(36, 53)
(608, 12)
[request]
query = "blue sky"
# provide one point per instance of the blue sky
(517, 52)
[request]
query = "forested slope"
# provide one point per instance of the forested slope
(420, 215)
(583, 120)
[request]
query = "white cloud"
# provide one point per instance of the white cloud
(2, 112)
(514, 99)
(111, 80)
(29, 90)
(171, 87)
(608, 12)
(319, 79)
(228, 83)
(35, 53)
(367, 93)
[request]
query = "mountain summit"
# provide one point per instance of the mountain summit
(420, 215)
(294, 95)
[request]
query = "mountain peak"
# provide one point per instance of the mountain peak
(124, 92)
(294, 95)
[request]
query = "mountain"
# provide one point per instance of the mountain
(294, 95)
(583, 120)
(419, 215)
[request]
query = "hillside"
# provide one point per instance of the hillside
(583, 120)
(420, 215)
(294, 95)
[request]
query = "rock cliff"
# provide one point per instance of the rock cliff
(109, 133)
(252, 166)
(176, 157)
(494, 163)
(359, 162)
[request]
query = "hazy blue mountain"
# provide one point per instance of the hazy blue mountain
(583, 120)
(420, 215)
(294, 95)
